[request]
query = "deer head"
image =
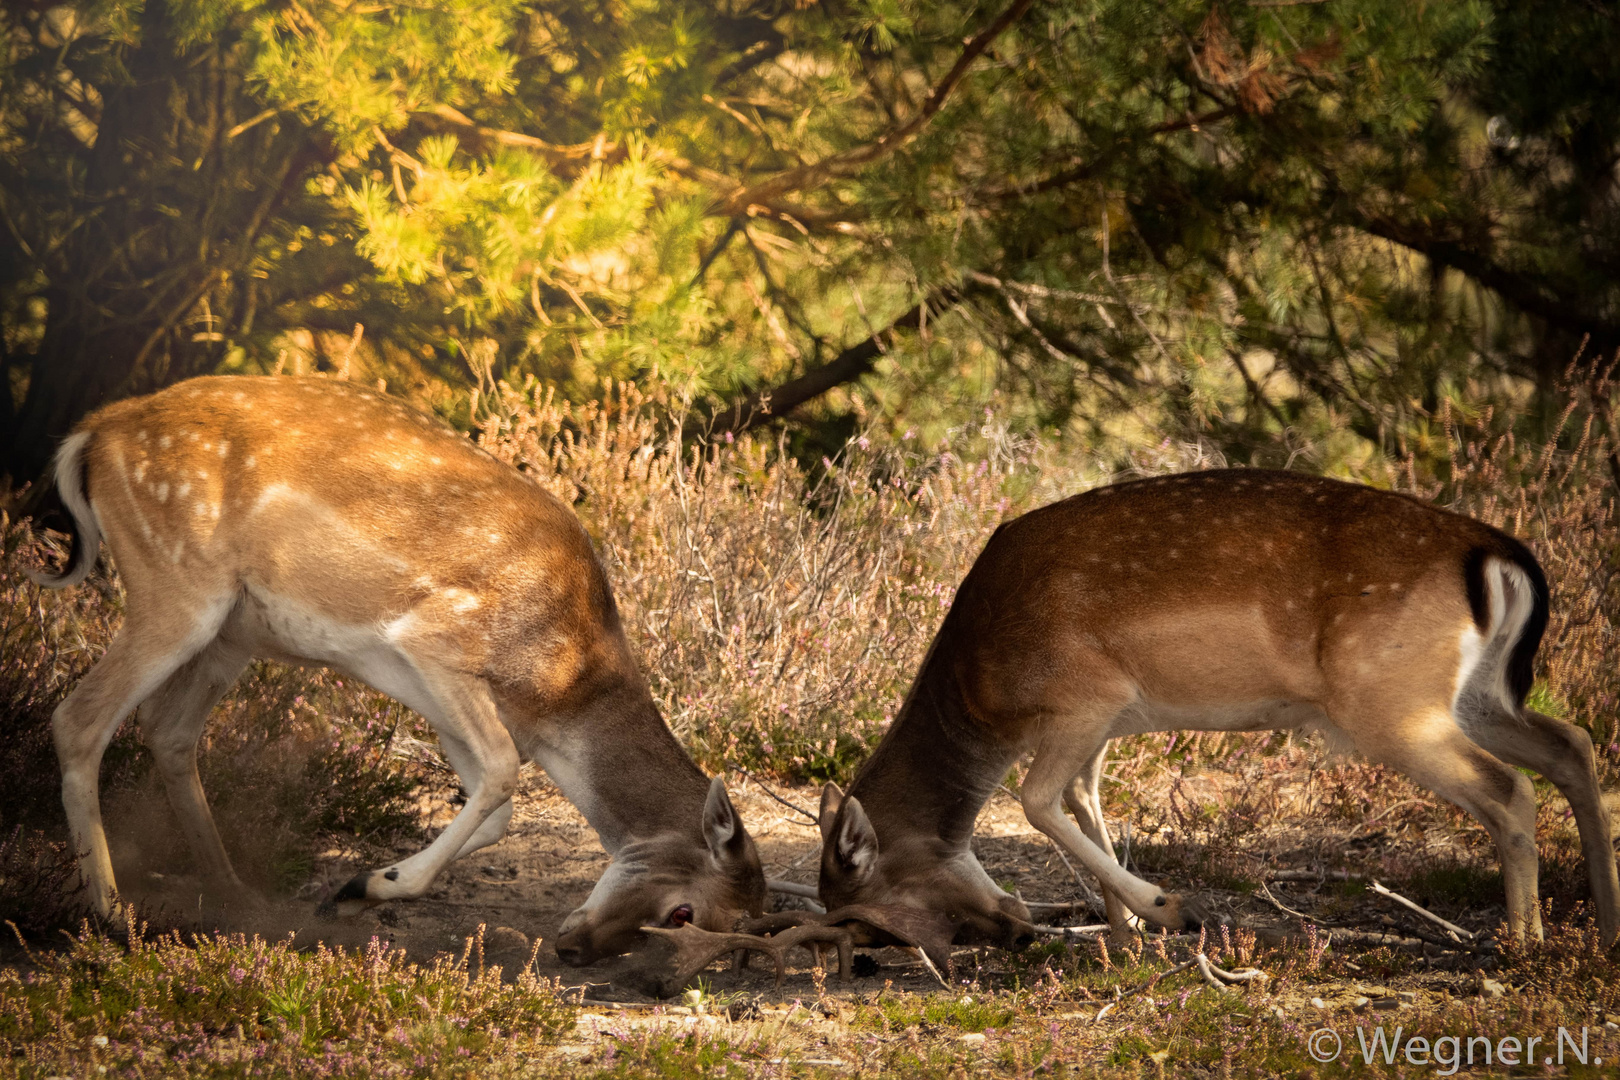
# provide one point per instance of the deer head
(668, 880)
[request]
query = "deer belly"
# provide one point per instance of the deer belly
(1145, 715)
(279, 628)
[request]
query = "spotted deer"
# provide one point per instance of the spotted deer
(1231, 600)
(313, 522)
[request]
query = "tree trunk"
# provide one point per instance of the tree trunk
(171, 210)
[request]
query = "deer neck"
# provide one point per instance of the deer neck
(937, 765)
(625, 772)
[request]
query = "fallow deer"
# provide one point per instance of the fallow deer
(1232, 600)
(314, 522)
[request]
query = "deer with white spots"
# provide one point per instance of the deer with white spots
(1234, 600)
(313, 522)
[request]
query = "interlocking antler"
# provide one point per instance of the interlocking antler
(696, 949)
(780, 933)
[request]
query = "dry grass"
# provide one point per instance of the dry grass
(780, 609)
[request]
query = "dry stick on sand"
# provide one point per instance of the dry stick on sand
(1314, 875)
(1266, 894)
(1459, 932)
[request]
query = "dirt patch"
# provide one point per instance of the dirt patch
(1222, 834)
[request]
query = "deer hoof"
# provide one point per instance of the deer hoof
(351, 899)
(1181, 914)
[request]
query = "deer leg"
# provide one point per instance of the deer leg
(172, 721)
(1085, 803)
(462, 710)
(465, 762)
(139, 660)
(1562, 753)
(1068, 748)
(1428, 745)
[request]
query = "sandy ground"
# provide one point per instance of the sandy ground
(543, 869)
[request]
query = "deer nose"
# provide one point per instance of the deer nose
(573, 954)
(574, 940)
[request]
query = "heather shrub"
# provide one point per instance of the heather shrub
(781, 609)
(218, 1005)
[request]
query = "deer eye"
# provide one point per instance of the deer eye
(680, 916)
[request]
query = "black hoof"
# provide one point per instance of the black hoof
(1194, 918)
(347, 900)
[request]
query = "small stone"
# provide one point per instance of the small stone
(1384, 1004)
(974, 1039)
(1408, 997)
(1361, 1003)
(1491, 988)
(1318, 1003)
(505, 939)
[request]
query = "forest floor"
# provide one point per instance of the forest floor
(1248, 842)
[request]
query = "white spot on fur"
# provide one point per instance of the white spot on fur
(164, 442)
(162, 492)
(183, 490)
(224, 447)
(251, 461)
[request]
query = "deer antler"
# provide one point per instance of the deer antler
(696, 949)
(780, 933)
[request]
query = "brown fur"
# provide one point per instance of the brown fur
(314, 522)
(1235, 600)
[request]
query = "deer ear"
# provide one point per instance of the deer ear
(855, 842)
(831, 799)
(722, 827)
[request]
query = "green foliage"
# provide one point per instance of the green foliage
(962, 1012)
(1290, 232)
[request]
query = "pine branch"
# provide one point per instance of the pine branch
(559, 155)
(1086, 170)
(763, 406)
(846, 162)
(1523, 291)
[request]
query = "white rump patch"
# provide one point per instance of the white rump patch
(1482, 669)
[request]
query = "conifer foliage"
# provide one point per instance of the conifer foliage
(1250, 222)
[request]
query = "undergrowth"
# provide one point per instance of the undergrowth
(229, 1005)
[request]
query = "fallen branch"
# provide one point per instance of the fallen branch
(1137, 989)
(1459, 932)
(795, 807)
(793, 888)
(1314, 875)
(1265, 892)
(1069, 933)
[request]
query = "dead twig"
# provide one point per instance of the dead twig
(1451, 927)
